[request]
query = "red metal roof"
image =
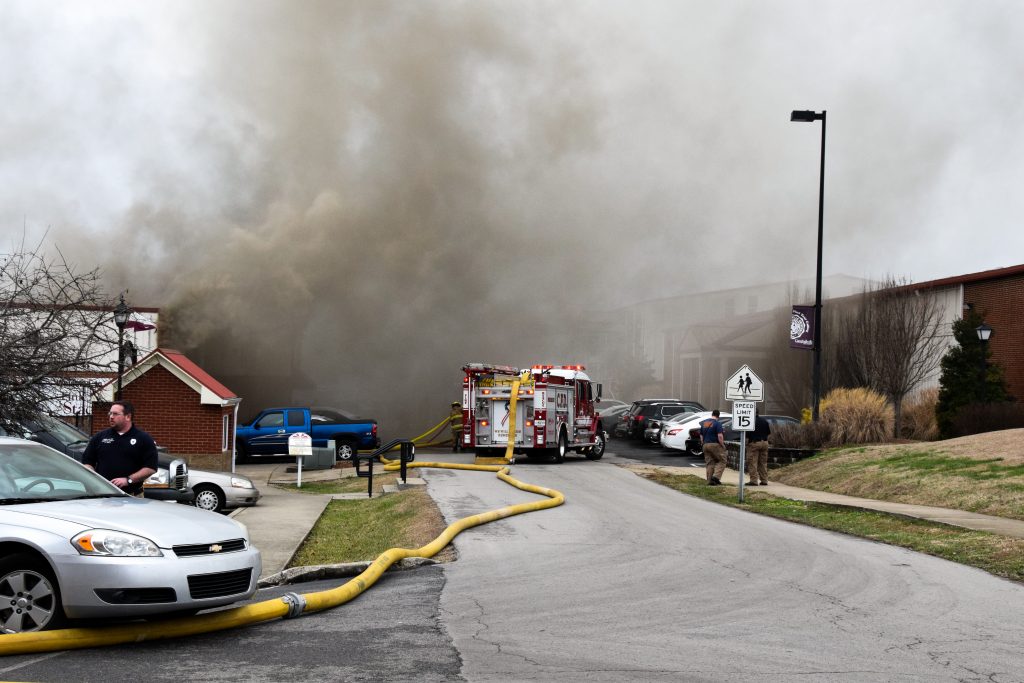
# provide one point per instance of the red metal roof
(196, 372)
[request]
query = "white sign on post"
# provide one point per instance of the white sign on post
(744, 385)
(744, 413)
(300, 444)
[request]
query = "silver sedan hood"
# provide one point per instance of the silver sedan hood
(166, 524)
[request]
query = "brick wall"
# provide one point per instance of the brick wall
(1001, 302)
(170, 411)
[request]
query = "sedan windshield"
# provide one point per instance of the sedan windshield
(31, 472)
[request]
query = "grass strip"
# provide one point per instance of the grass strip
(999, 555)
(344, 485)
(358, 530)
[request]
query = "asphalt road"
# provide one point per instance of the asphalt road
(626, 581)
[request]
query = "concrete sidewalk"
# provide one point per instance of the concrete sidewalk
(960, 518)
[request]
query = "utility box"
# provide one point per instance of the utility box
(322, 459)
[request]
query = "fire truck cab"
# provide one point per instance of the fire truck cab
(556, 411)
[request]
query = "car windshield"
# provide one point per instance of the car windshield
(31, 472)
(62, 431)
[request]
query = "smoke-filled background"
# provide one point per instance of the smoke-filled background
(342, 202)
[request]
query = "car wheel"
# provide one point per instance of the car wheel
(561, 449)
(696, 451)
(597, 450)
(29, 595)
(345, 451)
(209, 498)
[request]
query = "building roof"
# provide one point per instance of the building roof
(994, 274)
(211, 392)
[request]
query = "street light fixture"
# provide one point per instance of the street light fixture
(121, 313)
(806, 116)
(984, 333)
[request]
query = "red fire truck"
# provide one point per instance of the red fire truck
(556, 410)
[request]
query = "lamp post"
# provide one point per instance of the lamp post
(809, 117)
(121, 312)
(984, 333)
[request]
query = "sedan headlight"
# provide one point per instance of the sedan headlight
(239, 482)
(107, 543)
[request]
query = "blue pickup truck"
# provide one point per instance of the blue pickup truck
(267, 433)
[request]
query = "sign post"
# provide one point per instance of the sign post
(300, 445)
(745, 389)
(744, 413)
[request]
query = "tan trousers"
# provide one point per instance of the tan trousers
(757, 461)
(714, 460)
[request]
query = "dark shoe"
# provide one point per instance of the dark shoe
(751, 483)
(764, 483)
(715, 481)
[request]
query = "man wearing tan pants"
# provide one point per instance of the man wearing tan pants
(757, 452)
(713, 437)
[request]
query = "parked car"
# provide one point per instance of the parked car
(644, 410)
(219, 491)
(56, 434)
(168, 483)
(652, 434)
(76, 546)
(611, 403)
(676, 436)
(611, 417)
(693, 445)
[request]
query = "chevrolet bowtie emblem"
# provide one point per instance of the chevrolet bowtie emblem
(216, 548)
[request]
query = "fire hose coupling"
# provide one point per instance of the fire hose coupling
(296, 604)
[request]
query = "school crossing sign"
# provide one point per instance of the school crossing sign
(744, 385)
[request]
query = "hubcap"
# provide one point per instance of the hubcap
(207, 500)
(30, 599)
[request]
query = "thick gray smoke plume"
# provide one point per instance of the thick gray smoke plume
(343, 202)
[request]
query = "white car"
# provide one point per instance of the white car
(675, 433)
(219, 491)
(73, 545)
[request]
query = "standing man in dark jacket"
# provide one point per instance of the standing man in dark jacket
(713, 437)
(124, 454)
(757, 462)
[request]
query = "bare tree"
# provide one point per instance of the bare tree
(55, 331)
(891, 340)
(788, 371)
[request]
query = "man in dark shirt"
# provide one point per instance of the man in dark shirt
(124, 454)
(757, 464)
(713, 438)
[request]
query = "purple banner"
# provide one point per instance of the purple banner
(801, 328)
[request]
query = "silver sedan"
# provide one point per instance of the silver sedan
(218, 491)
(72, 545)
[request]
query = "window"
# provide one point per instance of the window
(296, 418)
(272, 420)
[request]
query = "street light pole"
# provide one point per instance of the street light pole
(121, 312)
(984, 333)
(810, 116)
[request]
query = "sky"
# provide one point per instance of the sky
(371, 193)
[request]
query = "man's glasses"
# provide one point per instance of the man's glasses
(113, 414)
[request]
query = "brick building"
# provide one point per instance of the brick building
(998, 295)
(186, 410)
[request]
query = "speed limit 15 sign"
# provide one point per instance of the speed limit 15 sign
(743, 415)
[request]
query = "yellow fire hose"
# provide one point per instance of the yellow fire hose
(292, 604)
